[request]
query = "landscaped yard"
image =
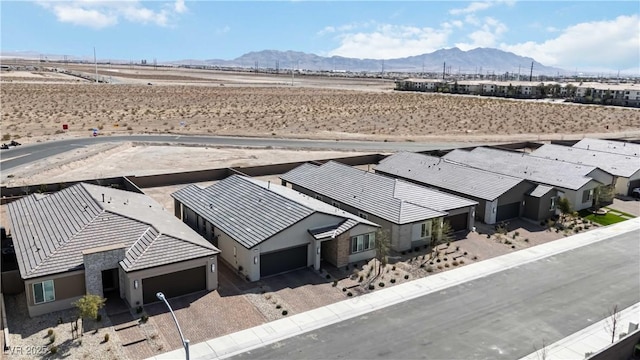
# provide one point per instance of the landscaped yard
(610, 217)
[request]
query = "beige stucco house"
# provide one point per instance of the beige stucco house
(89, 239)
(265, 229)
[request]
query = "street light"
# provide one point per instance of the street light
(185, 342)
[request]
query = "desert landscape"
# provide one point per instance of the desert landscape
(35, 105)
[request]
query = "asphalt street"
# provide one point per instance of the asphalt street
(25, 154)
(501, 316)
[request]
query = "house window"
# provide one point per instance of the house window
(43, 292)
(553, 203)
(363, 215)
(425, 230)
(587, 195)
(363, 242)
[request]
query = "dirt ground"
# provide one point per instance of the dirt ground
(37, 104)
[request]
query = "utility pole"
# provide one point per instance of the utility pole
(444, 69)
(95, 61)
(531, 73)
(518, 72)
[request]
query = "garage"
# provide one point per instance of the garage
(174, 284)
(458, 222)
(508, 211)
(632, 185)
(283, 260)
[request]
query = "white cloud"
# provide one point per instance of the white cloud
(343, 28)
(601, 44)
(223, 30)
(479, 6)
(486, 36)
(391, 41)
(104, 13)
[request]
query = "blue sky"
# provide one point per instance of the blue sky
(583, 35)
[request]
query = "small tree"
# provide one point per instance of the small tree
(611, 324)
(382, 245)
(88, 307)
(441, 233)
(602, 194)
(564, 206)
(541, 353)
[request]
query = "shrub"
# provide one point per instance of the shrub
(49, 332)
(329, 276)
(52, 338)
(360, 278)
(284, 312)
(464, 253)
(371, 286)
(437, 260)
(454, 263)
(421, 265)
(513, 246)
(138, 309)
(278, 306)
(516, 234)
(475, 257)
(446, 265)
(488, 236)
(335, 283)
(53, 349)
(526, 240)
(144, 318)
(393, 267)
(393, 281)
(129, 128)
(445, 259)
(99, 317)
(440, 267)
(461, 262)
(381, 284)
(429, 269)
(406, 276)
(106, 337)
(349, 294)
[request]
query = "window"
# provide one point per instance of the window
(553, 203)
(425, 230)
(363, 242)
(587, 195)
(43, 292)
(363, 215)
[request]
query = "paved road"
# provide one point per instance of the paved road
(500, 316)
(26, 154)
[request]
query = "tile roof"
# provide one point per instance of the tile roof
(332, 231)
(50, 232)
(434, 171)
(397, 201)
(614, 164)
(540, 191)
(539, 170)
(610, 146)
(251, 211)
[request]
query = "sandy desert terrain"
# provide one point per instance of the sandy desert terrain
(35, 105)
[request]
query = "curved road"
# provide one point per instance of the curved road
(26, 154)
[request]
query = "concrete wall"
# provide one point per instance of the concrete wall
(490, 212)
(68, 287)
(620, 350)
(134, 296)
(11, 282)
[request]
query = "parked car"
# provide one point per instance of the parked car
(636, 193)
(14, 143)
(4, 146)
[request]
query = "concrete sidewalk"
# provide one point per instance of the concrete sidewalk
(268, 333)
(589, 340)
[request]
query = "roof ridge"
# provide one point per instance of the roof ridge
(146, 248)
(65, 243)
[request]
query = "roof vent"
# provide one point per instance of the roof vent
(102, 197)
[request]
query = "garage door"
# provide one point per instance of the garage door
(174, 284)
(283, 260)
(458, 222)
(508, 211)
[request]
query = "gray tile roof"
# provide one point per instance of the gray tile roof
(330, 232)
(251, 211)
(614, 164)
(394, 200)
(538, 170)
(50, 232)
(610, 146)
(435, 171)
(540, 191)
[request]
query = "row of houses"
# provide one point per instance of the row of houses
(601, 93)
(99, 240)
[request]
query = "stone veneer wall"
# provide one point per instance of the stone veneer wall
(95, 262)
(344, 245)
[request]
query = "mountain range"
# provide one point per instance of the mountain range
(453, 61)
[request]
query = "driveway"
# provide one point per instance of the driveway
(626, 204)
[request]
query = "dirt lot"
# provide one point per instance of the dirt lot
(267, 105)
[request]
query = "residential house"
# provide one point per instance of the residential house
(89, 239)
(624, 168)
(500, 197)
(265, 229)
(404, 209)
(575, 182)
(609, 146)
(426, 85)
